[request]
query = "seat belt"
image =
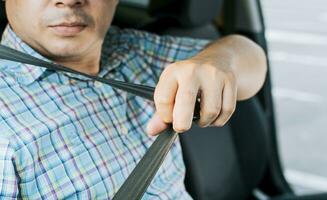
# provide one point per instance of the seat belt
(140, 178)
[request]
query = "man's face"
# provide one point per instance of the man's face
(61, 29)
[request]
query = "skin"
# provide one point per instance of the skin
(34, 21)
(71, 33)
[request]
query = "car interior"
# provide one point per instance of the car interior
(240, 160)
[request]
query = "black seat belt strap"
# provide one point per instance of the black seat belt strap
(17, 56)
(140, 178)
(138, 181)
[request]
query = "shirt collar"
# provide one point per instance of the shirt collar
(26, 74)
(23, 73)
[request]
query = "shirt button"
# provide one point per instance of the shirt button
(73, 81)
(98, 84)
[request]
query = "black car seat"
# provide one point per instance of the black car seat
(170, 17)
(3, 19)
(222, 163)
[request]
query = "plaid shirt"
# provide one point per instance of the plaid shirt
(64, 136)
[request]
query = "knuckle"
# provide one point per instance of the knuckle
(211, 72)
(169, 69)
(230, 76)
(191, 92)
(212, 69)
(209, 114)
(191, 72)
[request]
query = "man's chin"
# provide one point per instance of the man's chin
(64, 52)
(68, 48)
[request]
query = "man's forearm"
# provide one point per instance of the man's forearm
(247, 60)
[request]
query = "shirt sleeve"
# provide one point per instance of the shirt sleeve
(168, 49)
(8, 179)
(163, 50)
(171, 49)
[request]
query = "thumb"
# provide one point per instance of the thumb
(156, 125)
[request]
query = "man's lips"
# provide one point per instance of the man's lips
(68, 29)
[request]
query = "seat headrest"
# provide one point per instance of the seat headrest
(189, 13)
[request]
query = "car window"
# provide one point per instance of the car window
(297, 39)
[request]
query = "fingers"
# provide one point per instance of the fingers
(176, 94)
(164, 96)
(156, 125)
(228, 102)
(184, 105)
(211, 100)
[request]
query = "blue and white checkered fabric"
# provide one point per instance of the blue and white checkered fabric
(64, 136)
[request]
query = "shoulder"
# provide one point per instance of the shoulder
(8, 87)
(149, 41)
(144, 55)
(17, 136)
(13, 112)
(7, 97)
(130, 39)
(7, 72)
(125, 34)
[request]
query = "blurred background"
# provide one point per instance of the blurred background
(297, 39)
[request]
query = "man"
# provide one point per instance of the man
(64, 136)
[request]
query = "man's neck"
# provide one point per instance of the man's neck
(88, 63)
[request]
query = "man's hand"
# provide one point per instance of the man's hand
(228, 70)
(179, 86)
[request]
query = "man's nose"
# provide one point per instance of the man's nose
(69, 3)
